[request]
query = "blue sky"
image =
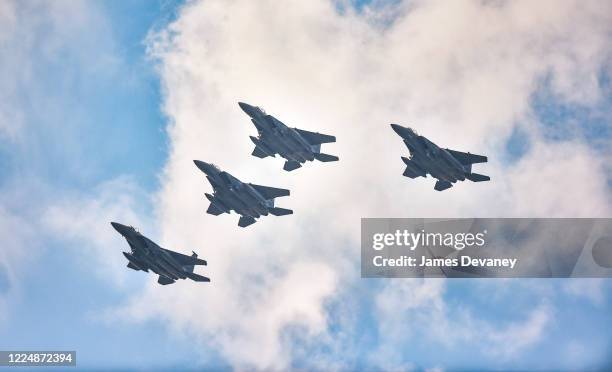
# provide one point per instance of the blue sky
(104, 125)
(94, 124)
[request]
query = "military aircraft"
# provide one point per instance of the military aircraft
(297, 146)
(248, 200)
(448, 166)
(145, 255)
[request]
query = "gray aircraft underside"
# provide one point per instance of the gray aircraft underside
(448, 166)
(250, 201)
(296, 146)
(146, 255)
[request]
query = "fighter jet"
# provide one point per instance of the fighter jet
(145, 255)
(248, 200)
(448, 166)
(297, 146)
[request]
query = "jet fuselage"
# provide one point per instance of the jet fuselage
(146, 255)
(427, 157)
(229, 193)
(274, 137)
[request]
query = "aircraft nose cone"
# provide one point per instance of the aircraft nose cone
(403, 132)
(397, 128)
(203, 166)
(248, 109)
(121, 229)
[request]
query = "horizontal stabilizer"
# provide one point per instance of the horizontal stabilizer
(198, 261)
(197, 278)
(475, 177)
(467, 158)
(280, 211)
(442, 185)
(325, 157)
(291, 165)
(270, 192)
(133, 267)
(214, 210)
(315, 138)
(194, 261)
(259, 152)
(164, 281)
(246, 221)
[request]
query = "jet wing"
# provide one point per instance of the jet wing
(212, 209)
(259, 152)
(315, 138)
(184, 260)
(270, 192)
(466, 158)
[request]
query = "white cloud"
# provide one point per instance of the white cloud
(43, 46)
(514, 338)
(82, 222)
(18, 240)
(592, 289)
(34, 219)
(534, 186)
(414, 309)
(462, 73)
(35, 41)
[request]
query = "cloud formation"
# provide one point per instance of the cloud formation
(49, 51)
(35, 40)
(415, 310)
(83, 222)
(461, 73)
